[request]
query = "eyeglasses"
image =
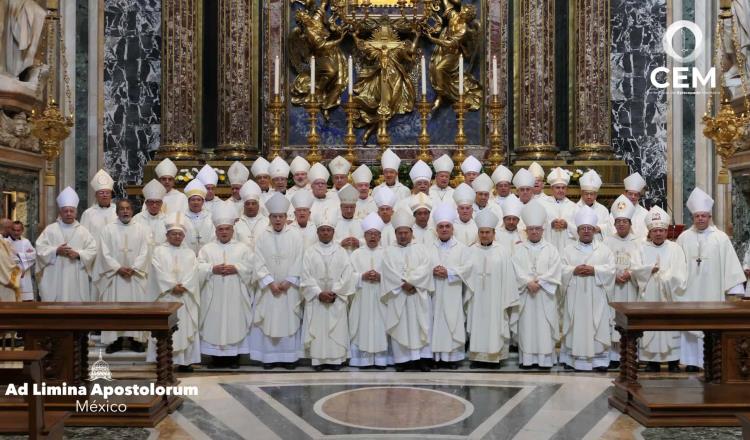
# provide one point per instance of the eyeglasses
(586, 228)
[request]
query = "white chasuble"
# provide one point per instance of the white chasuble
(26, 261)
(713, 271)
(564, 209)
(60, 278)
(325, 333)
(365, 207)
(409, 315)
(346, 228)
(309, 233)
(175, 201)
(95, 218)
(388, 236)
(10, 273)
(170, 266)
(200, 230)
(586, 331)
(155, 225)
(602, 222)
(509, 239)
(369, 339)
(465, 232)
(538, 316)
(275, 333)
(489, 302)
(247, 229)
(226, 307)
(627, 253)
(122, 245)
(666, 285)
(441, 195)
(448, 327)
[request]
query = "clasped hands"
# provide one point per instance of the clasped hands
(584, 270)
(66, 251)
(371, 275)
(277, 288)
(559, 224)
(408, 288)
(224, 269)
(623, 277)
(126, 272)
(533, 287)
(350, 243)
(327, 297)
(179, 289)
(440, 272)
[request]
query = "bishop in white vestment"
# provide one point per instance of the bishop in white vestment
(102, 212)
(389, 163)
(452, 270)
(421, 207)
(151, 216)
(560, 228)
(174, 277)
(251, 223)
(386, 200)
(590, 184)
(200, 227)
(348, 228)
(492, 297)
(511, 232)
(361, 178)
(327, 284)
(227, 268)
(441, 191)
(538, 270)
(121, 271)
(276, 331)
(408, 285)
(369, 339)
(588, 278)
(174, 200)
(65, 255)
(663, 278)
(302, 201)
(713, 270)
(464, 228)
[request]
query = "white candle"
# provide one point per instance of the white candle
(312, 77)
(276, 76)
(351, 77)
(424, 77)
(494, 75)
(460, 75)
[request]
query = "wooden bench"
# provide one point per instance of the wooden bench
(745, 421)
(35, 422)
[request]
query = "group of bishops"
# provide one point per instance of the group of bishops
(388, 275)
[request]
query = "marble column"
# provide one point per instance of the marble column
(535, 85)
(181, 58)
(235, 80)
(591, 92)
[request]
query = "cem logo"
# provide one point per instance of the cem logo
(680, 77)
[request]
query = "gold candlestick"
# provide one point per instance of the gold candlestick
(424, 108)
(458, 155)
(275, 107)
(497, 155)
(384, 140)
(51, 128)
(313, 138)
(350, 139)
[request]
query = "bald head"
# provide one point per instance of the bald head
(5, 225)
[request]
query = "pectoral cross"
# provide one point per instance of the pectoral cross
(198, 238)
(484, 274)
(326, 280)
(125, 250)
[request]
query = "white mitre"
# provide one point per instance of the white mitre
(558, 176)
(318, 172)
(303, 199)
(471, 165)
(524, 179)
(372, 221)
(277, 204)
(326, 218)
(483, 183)
(166, 168)
(622, 207)
(444, 213)
(402, 219)
(153, 190)
(384, 196)
(278, 168)
(590, 181)
(362, 175)
(420, 171)
(699, 201)
(502, 174)
(534, 214)
(348, 195)
(238, 174)
(175, 221)
(586, 216)
(419, 201)
(195, 188)
(464, 195)
(486, 219)
(208, 175)
(634, 182)
(389, 160)
(339, 166)
(224, 213)
(512, 206)
(260, 167)
(299, 164)
(536, 170)
(657, 218)
(250, 191)
(67, 197)
(443, 164)
(102, 180)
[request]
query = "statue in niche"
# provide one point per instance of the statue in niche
(384, 87)
(460, 35)
(21, 26)
(738, 32)
(315, 35)
(16, 133)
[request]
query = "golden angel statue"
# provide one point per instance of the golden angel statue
(316, 36)
(384, 86)
(459, 36)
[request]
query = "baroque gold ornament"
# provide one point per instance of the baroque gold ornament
(725, 129)
(51, 128)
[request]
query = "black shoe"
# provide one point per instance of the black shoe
(544, 368)
(652, 367)
(380, 367)
(400, 368)
(568, 367)
(318, 367)
(185, 369)
(601, 369)
(513, 348)
(114, 347)
(269, 366)
(424, 366)
(692, 369)
(614, 365)
(336, 367)
(674, 366)
(290, 365)
(234, 362)
(474, 365)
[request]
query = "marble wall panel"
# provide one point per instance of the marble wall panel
(81, 104)
(639, 110)
(132, 78)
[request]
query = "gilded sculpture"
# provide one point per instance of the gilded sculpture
(459, 36)
(315, 35)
